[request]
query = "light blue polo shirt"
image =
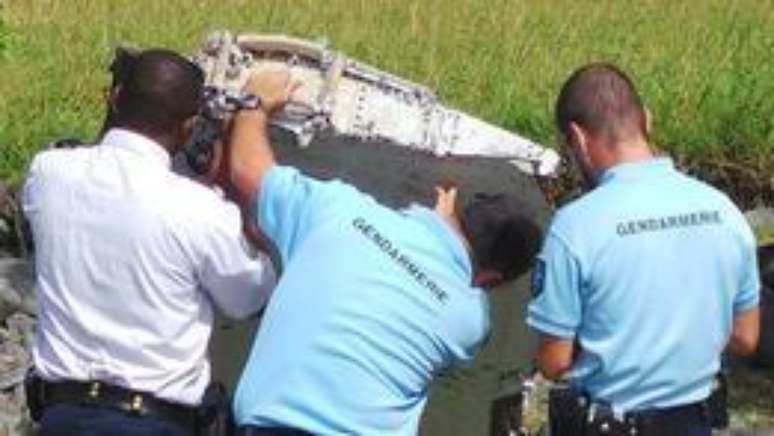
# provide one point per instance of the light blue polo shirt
(372, 304)
(645, 272)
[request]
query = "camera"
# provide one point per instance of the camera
(210, 124)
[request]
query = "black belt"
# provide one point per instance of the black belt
(690, 414)
(666, 421)
(270, 431)
(99, 394)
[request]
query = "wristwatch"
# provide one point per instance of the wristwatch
(219, 102)
(247, 102)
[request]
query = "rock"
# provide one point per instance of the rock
(17, 327)
(21, 328)
(15, 361)
(14, 419)
(10, 300)
(765, 355)
(16, 287)
(760, 217)
(766, 264)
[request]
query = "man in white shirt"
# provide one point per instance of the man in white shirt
(129, 259)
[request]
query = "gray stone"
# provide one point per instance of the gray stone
(760, 217)
(766, 348)
(15, 361)
(17, 326)
(16, 287)
(14, 418)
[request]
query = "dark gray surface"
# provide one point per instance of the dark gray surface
(460, 401)
(397, 176)
(765, 355)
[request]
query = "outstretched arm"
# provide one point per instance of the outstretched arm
(745, 333)
(251, 155)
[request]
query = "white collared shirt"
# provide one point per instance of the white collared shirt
(129, 256)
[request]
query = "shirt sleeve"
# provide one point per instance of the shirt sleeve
(748, 295)
(555, 308)
(238, 279)
(290, 203)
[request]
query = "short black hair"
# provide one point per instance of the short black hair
(502, 237)
(602, 98)
(158, 90)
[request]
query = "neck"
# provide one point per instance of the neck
(168, 142)
(169, 145)
(625, 151)
(633, 151)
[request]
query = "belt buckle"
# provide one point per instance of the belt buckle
(95, 389)
(136, 403)
(600, 411)
(609, 421)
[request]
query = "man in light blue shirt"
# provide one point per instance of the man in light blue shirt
(642, 281)
(373, 303)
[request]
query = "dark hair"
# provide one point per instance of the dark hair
(159, 90)
(501, 236)
(602, 98)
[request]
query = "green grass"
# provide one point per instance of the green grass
(706, 68)
(764, 234)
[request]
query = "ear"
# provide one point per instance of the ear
(488, 278)
(111, 98)
(648, 122)
(578, 140)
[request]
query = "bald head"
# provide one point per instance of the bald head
(157, 91)
(601, 99)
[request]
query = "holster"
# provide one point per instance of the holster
(602, 421)
(717, 403)
(214, 416)
(571, 413)
(33, 391)
(506, 415)
(567, 411)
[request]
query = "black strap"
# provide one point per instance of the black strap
(689, 415)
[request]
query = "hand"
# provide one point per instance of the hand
(445, 207)
(217, 171)
(273, 85)
(445, 202)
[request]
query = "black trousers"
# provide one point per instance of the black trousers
(75, 420)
